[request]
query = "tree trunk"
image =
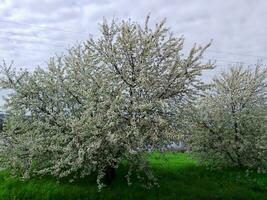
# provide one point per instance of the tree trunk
(110, 174)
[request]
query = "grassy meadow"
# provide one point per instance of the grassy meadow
(180, 177)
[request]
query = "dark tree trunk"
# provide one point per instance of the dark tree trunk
(110, 175)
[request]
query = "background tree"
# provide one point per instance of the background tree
(102, 102)
(229, 125)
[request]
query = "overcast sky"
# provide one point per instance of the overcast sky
(31, 31)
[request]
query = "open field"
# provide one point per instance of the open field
(179, 177)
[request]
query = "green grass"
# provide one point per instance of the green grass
(179, 177)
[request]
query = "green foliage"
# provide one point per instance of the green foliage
(107, 100)
(180, 178)
(229, 122)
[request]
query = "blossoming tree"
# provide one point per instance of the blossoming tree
(107, 100)
(230, 123)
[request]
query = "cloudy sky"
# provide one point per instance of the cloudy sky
(31, 31)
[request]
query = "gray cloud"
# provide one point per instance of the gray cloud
(32, 31)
